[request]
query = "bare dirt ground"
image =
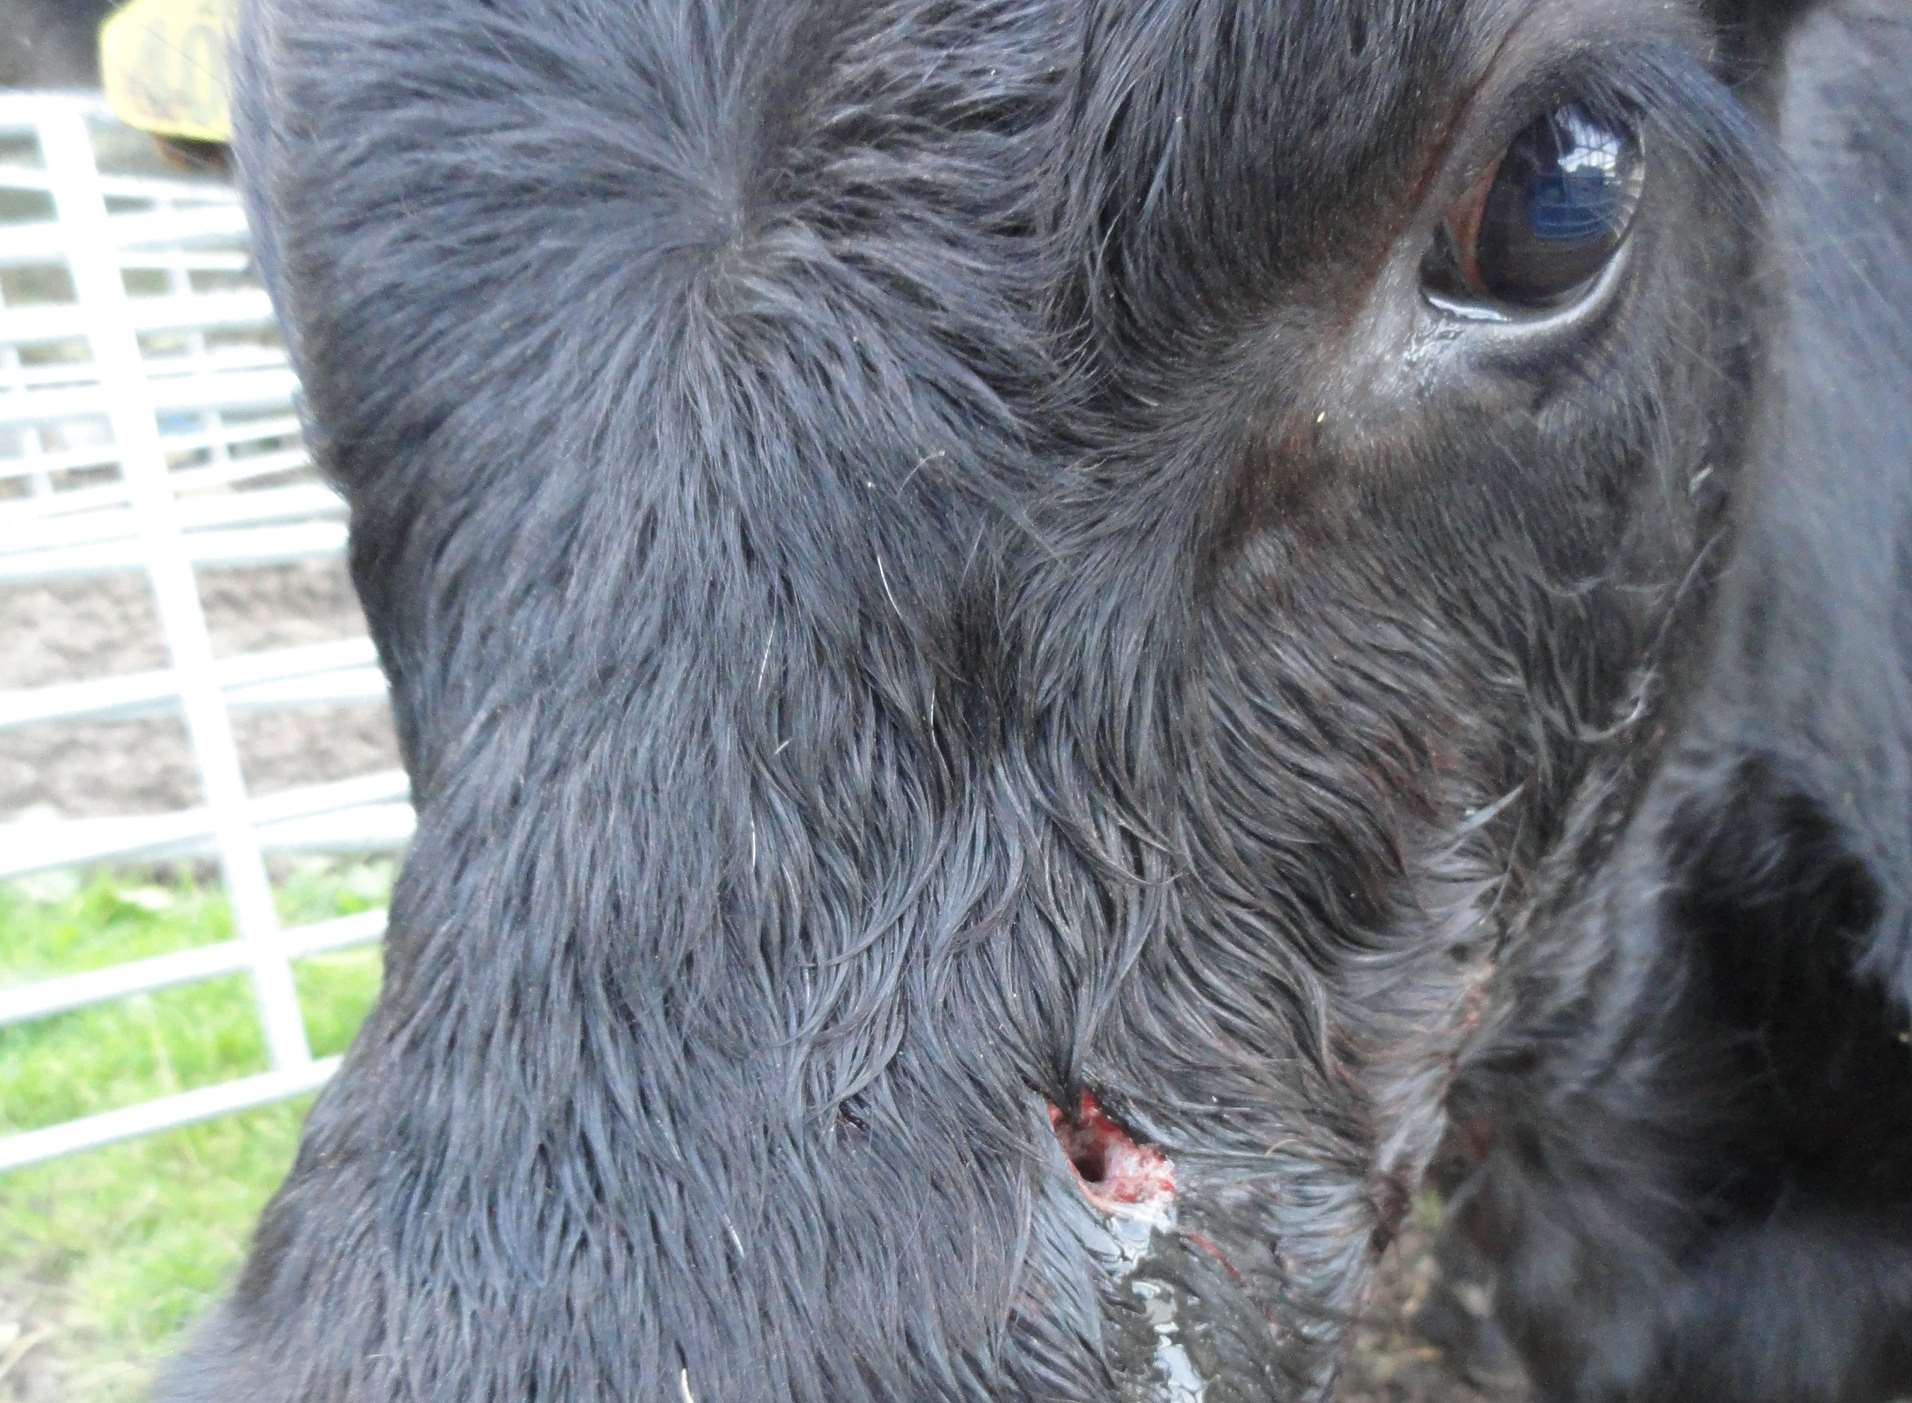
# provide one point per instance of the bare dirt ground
(1392, 1361)
(106, 625)
(32, 1336)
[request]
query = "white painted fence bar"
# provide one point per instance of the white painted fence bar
(43, 243)
(31, 325)
(25, 513)
(299, 502)
(51, 996)
(146, 422)
(258, 545)
(105, 455)
(140, 187)
(186, 260)
(366, 828)
(315, 674)
(87, 232)
(163, 367)
(168, 1113)
(294, 662)
(372, 828)
(30, 845)
(334, 688)
(252, 389)
(230, 472)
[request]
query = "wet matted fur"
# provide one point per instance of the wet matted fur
(1002, 712)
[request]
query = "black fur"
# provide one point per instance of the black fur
(932, 560)
(1701, 1079)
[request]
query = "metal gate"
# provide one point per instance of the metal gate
(147, 424)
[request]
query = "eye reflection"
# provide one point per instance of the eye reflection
(1539, 228)
(1585, 187)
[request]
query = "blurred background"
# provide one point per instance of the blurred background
(200, 799)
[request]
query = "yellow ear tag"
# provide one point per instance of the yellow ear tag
(163, 65)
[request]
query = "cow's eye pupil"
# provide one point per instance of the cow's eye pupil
(1539, 227)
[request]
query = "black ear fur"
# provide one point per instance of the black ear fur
(1703, 1103)
(1760, 21)
(1790, 793)
(1775, 906)
(1780, 827)
(1762, 875)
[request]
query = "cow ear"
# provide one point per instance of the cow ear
(1760, 17)
(1766, 880)
(1783, 812)
(1760, 36)
(1786, 804)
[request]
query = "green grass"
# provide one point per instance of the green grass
(108, 1254)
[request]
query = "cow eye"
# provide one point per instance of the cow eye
(1537, 229)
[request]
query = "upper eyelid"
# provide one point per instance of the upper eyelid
(1577, 75)
(1551, 53)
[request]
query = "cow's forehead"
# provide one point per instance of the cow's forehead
(1229, 119)
(1333, 69)
(1290, 63)
(1273, 110)
(1294, 97)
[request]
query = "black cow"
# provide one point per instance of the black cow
(1028, 631)
(1695, 1093)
